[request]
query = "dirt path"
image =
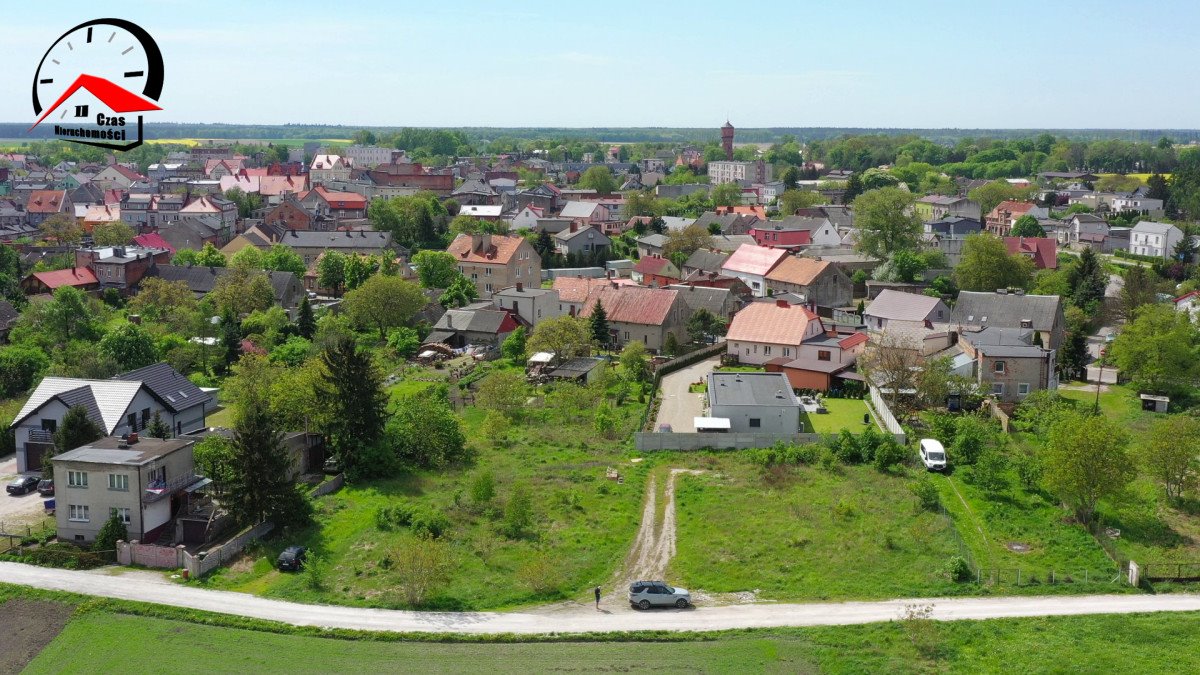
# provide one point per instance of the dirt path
(654, 545)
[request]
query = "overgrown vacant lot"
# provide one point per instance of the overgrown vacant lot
(582, 525)
(807, 533)
(1148, 643)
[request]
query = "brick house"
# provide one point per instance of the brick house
(120, 267)
(291, 215)
(1007, 364)
(646, 315)
(1000, 220)
(655, 270)
(493, 262)
(45, 203)
(819, 281)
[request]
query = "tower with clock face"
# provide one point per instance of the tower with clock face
(115, 60)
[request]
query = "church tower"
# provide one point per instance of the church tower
(727, 140)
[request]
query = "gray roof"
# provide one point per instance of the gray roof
(472, 320)
(901, 306)
(704, 297)
(791, 223)
(575, 367)
(356, 241)
(741, 388)
(656, 240)
(175, 391)
(1007, 310)
(578, 209)
(731, 242)
(1153, 227)
(1005, 342)
(709, 261)
(201, 280)
(106, 451)
(567, 235)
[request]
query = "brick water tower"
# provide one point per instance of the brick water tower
(727, 140)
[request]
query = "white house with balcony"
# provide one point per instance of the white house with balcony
(1154, 239)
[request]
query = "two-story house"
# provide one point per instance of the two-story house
(581, 240)
(222, 209)
(752, 264)
(329, 168)
(126, 403)
(336, 205)
(493, 262)
(1006, 362)
(1043, 314)
(291, 215)
(795, 232)
(637, 314)
(819, 281)
(532, 304)
(137, 478)
(120, 267)
(1154, 239)
(1001, 219)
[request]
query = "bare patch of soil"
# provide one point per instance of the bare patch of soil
(29, 625)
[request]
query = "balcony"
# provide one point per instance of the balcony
(158, 490)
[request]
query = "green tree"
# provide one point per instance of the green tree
(76, 430)
(1171, 454)
(460, 293)
(1086, 459)
(505, 392)
(1140, 289)
(991, 194)
(671, 345)
(874, 179)
(291, 352)
(726, 194)
(231, 339)
(71, 315)
(249, 257)
(306, 325)
(513, 347)
(635, 362)
(130, 345)
(112, 531)
(483, 488)
(158, 428)
(564, 336)
(62, 229)
(794, 200)
(424, 432)
(384, 302)
(1158, 350)
(242, 290)
(790, 177)
(281, 258)
(170, 303)
(331, 271)
(20, 367)
(1073, 354)
(358, 269)
(404, 341)
(598, 178)
(986, 265)
(687, 241)
(214, 455)
(114, 233)
(260, 481)
(1158, 187)
(1087, 280)
(886, 222)
(599, 324)
(518, 512)
(436, 269)
(352, 390)
(703, 324)
(1027, 226)
(210, 256)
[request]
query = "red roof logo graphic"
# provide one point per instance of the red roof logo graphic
(118, 100)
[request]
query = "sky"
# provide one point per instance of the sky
(917, 63)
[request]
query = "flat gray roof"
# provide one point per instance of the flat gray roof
(741, 388)
(106, 451)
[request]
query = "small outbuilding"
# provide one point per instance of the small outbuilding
(1152, 403)
(754, 402)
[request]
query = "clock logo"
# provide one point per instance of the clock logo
(93, 79)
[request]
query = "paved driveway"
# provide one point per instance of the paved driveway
(680, 408)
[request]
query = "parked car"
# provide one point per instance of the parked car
(933, 455)
(22, 485)
(45, 487)
(292, 559)
(647, 594)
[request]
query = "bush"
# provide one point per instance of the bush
(889, 453)
(990, 472)
(970, 440)
(314, 573)
(926, 493)
(483, 489)
(958, 569)
(423, 521)
(518, 513)
(112, 531)
(782, 453)
(846, 448)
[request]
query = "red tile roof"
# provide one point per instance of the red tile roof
(72, 276)
(153, 240)
(577, 289)
(339, 200)
(128, 173)
(633, 304)
(272, 186)
(46, 201)
(1017, 209)
(769, 322)
(1043, 250)
(651, 265)
(853, 340)
(1185, 296)
(499, 252)
(753, 259)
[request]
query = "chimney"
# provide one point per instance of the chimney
(781, 303)
(133, 437)
(615, 285)
(608, 273)
(476, 242)
(574, 226)
(520, 287)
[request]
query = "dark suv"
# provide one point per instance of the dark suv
(45, 487)
(292, 558)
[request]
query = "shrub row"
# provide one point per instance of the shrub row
(422, 520)
(869, 447)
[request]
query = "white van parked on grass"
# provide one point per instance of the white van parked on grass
(933, 455)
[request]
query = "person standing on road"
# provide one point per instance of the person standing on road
(597, 598)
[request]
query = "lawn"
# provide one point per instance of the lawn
(806, 533)
(844, 413)
(584, 523)
(1142, 643)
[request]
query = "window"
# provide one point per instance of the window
(122, 513)
(755, 423)
(131, 420)
(1023, 388)
(787, 351)
(767, 350)
(157, 475)
(999, 367)
(50, 425)
(998, 388)
(145, 417)
(77, 479)
(823, 355)
(487, 271)
(626, 335)
(79, 513)
(488, 287)
(118, 481)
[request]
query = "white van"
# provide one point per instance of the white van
(933, 455)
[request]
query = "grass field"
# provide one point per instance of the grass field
(844, 413)
(1146, 643)
(584, 522)
(804, 533)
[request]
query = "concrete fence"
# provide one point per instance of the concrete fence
(206, 561)
(332, 485)
(1105, 375)
(150, 555)
(648, 441)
